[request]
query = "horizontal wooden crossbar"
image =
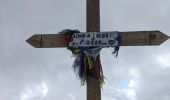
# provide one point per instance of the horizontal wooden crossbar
(134, 38)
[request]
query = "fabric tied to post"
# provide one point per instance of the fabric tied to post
(86, 48)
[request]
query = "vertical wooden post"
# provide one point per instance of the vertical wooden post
(93, 15)
(93, 25)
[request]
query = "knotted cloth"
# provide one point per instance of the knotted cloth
(87, 58)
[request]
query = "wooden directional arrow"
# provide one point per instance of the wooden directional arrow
(142, 38)
(134, 38)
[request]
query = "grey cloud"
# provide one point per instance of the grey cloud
(22, 66)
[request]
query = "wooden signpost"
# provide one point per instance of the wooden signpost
(138, 38)
(133, 38)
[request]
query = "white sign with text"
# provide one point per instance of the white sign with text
(94, 39)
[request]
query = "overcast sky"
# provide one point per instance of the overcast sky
(27, 73)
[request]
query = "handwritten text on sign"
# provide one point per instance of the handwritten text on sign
(95, 39)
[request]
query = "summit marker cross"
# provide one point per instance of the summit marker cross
(134, 38)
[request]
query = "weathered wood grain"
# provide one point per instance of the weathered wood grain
(142, 38)
(49, 40)
(133, 38)
(93, 25)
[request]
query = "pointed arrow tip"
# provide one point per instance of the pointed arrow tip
(168, 37)
(28, 40)
(162, 37)
(35, 41)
